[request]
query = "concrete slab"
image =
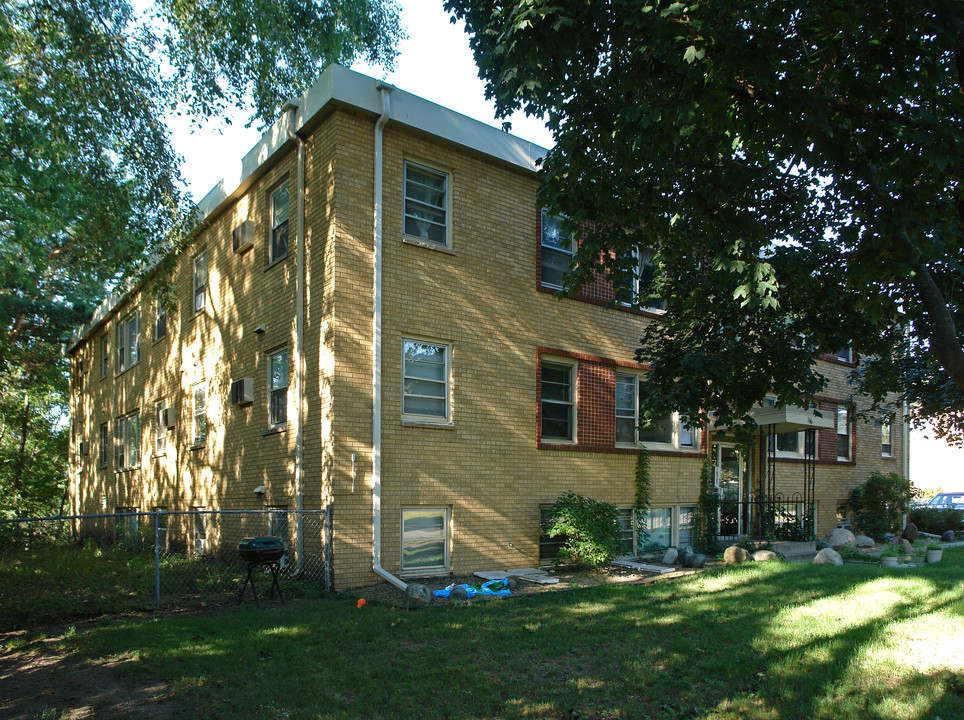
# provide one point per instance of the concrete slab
(660, 569)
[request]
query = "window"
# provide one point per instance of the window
(104, 355)
(160, 319)
(200, 392)
(843, 433)
(278, 523)
(200, 282)
(659, 523)
(640, 292)
(425, 540)
(161, 529)
(425, 381)
(160, 432)
(128, 438)
(557, 250)
(845, 355)
(278, 246)
(558, 402)
(793, 444)
(426, 204)
(886, 441)
(104, 444)
(278, 388)
(668, 430)
(127, 525)
(128, 341)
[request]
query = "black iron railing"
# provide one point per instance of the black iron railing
(776, 517)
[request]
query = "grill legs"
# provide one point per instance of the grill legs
(275, 569)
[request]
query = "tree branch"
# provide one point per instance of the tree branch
(945, 345)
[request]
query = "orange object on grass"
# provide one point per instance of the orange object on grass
(361, 602)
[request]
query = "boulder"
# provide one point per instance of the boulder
(417, 596)
(458, 593)
(910, 532)
(821, 544)
(948, 536)
(840, 537)
(906, 547)
(863, 541)
(511, 583)
(685, 553)
(764, 555)
(670, 557)
(693, 560)
(828, 556)
(734, 555)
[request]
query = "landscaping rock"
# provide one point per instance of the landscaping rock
(828, 556)
(764, 555)
(735, 555)
(910, 532)
(511, 583)
(458, 593)
(693, 560)
(948, 536)
(907, 548)
(685, 553)
(417, 596)
(670, 557)
(821, 544)
(839, 537)
(863, 541)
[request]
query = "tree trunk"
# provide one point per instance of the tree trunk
(945, 345)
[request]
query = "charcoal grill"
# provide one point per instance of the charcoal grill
(260, 552)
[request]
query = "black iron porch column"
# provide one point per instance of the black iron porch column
(809, 481)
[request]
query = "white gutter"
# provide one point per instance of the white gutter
(298, 354)
(385, 92)
(905, 441)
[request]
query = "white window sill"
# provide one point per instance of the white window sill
(428, 423)
(410, 240)
(425, 572)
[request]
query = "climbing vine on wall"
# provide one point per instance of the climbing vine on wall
(641, 503)
(707, 511)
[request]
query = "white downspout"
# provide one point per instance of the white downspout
(385, 91)
(298, 354)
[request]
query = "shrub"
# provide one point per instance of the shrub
(937, 520)
(591, 529)
(879, 503)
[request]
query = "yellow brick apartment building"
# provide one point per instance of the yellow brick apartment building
(366, 319)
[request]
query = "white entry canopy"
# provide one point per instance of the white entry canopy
(785, 420)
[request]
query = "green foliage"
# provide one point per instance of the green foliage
(90, 187)
(937, 520)
(879, 504)
(591, 529)
(641, 501)
(707, 511)
(795, 168)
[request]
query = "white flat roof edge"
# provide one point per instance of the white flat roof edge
(351, 88)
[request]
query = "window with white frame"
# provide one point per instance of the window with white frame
(845, 355)
(843, 432)
(200, 282)
(128, 341)
(160, 319)
(200, 530)
(425, 380)
(278, 245)
(104, 444)
(639, 293)
(127, 438)
(425, 547)
(160, 431)
(200, 396)
(278, 388)
(886, 438)
(558, 248)
(278, 523)
(557, 384)
(426, 204)
(104, 355)
(668, 431)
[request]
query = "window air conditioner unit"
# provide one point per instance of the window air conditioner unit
(84, 447)
(242, 391)
(167, 417)
(243, 236)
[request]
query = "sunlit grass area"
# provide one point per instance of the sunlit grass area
(765, 640)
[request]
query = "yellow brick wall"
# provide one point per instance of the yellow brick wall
(480, 295)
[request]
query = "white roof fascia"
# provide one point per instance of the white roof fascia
(346, 87)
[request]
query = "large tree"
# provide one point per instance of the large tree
(795, 165)
(89, 183)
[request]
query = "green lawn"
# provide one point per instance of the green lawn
(766, 640)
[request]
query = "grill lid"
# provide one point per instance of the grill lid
(261, 549)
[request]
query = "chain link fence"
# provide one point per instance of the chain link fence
(60, 567)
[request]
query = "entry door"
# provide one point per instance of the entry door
(729, 480)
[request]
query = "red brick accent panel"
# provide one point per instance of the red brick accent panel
(827, 439)
(596, 405)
